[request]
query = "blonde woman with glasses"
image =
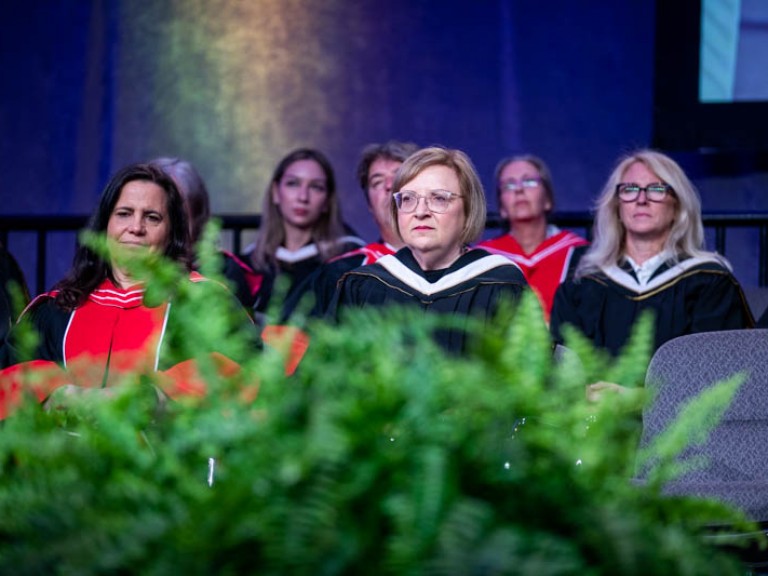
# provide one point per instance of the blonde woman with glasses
(438, 210)
(648, 254)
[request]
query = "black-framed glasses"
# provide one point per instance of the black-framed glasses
(438, 201)
(629, 192)
(513, 185)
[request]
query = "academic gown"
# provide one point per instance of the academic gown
(548, 265)
(325, 279)
(474, 286)
(694, 295)
(243, 280)
(296, 267)
(111, 334)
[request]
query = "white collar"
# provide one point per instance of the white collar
(645, 270)
(625, 279)
(307, 251)
(417, 282)
(311, 250)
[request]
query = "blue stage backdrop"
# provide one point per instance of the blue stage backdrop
(233, 85)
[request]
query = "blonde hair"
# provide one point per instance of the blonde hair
(686, 236)
(470, 187)
(325, 231)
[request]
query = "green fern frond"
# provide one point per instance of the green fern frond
(695, 421)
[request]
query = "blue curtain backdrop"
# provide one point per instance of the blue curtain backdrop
(233, 85)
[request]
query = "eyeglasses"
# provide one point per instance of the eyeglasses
(653, 192)
(438, 201)
(513, 185)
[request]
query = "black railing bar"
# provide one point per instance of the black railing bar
(41, 260)
(237, 223)
(241, 222)
(58, 223)
(762, 277)
(237, 240)
(720, 239)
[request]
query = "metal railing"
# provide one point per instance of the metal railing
(236, 224)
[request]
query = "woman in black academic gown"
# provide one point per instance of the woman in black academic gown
(301, 227)
(438, 210)
(648, 254)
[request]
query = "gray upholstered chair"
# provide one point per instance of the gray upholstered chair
(736, 471)
(563, 355)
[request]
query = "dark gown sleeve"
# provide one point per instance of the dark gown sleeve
(343, 298)
(578, 252)
(565, 309)
(325, 281)
(720, 305)
(299, 291)
(252, 286)
(245, 282)
(49, 322)
(355, 290)
(511, 293)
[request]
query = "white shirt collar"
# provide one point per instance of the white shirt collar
(645, 270)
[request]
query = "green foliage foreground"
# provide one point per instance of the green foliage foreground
(380, 456)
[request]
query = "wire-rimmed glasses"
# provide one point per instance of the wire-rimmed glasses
(512, 185)
(437, 201)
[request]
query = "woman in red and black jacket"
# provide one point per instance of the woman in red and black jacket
(96, 325)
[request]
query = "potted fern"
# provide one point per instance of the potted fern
(378, 456)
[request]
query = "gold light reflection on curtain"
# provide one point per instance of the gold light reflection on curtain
(231, 86)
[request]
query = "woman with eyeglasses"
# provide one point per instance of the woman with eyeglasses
(546, 254)
(438, 210)
(648, 254)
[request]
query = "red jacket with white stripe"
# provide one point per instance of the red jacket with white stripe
(548, 265)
